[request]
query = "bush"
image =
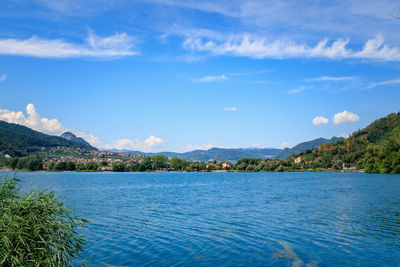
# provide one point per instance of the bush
(36, 229)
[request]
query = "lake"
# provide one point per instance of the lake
(233, 219)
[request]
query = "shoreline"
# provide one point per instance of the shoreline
(161, 171)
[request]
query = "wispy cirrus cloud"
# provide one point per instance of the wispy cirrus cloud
(199, 147)
(297, 90)
(231, 109)
(331, 79)
(250, 73)
(3, 77)
(246, 45)
(117, 45)
(209, 79)
(316, 19)
(383, 83)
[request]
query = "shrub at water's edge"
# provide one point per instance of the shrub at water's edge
(36, 228)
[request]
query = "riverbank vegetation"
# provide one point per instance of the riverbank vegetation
(36, 228)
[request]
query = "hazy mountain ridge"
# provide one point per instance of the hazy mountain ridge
(235, 154)
(222, 154)
(302, 147)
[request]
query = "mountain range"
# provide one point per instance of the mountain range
(302, 147)
(234, 154)
(18, 140)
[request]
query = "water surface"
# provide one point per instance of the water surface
(234, 219)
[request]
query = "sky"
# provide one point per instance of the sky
(171, 75)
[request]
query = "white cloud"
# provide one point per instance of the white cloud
(117, 45)
(345, 117)
(231, 109)
(208, 79)
(344, 135)
(331, 79)
(32, 120)
(315, 21)
(199, 147)
(53, 127)
(250, 73)
(3, 77)
(297, 90)
(246, 45)
(319, 120)
(146, 146)
(376, 84)
(285, 144)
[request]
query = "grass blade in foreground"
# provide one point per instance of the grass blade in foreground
(36, 228)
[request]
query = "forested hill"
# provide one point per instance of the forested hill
(222, 154)
(375, 148)
(302, 147)
(18, 140)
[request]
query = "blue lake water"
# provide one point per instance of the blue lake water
(233, 219)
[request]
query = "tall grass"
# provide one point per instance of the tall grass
(36, 228)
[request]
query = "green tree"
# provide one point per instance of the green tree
(337, 164)
(103, 164)
(176, 164)
(118, 167)
(133, 167)
(159, 162)
(13, 162)
(71, 166)
(92, 166)
(145, 164)
(61, 166)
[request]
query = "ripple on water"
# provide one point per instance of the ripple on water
(234, 219)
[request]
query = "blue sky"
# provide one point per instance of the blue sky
(182, 75)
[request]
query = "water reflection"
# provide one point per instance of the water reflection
(289, 253)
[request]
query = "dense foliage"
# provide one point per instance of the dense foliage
(36, 229)
(18, 140)
(31, 163)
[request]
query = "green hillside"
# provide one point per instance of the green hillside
(302, 147)
(17, 140)
(375, 148)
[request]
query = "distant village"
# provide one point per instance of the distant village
(105, 160)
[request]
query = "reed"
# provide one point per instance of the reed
(36, 228)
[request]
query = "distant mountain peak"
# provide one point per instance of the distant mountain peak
(72, 137)
(68, 135)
